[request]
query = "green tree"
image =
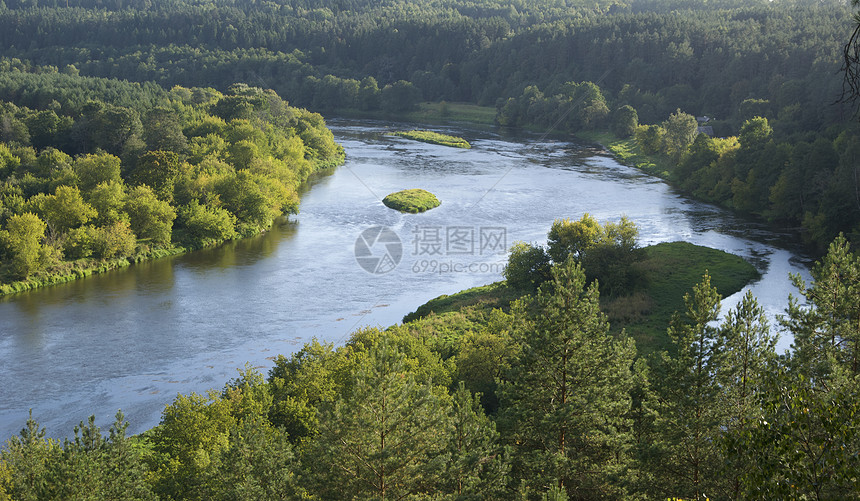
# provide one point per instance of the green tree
(681, 129)
(158, 170)
(747, 358)
(625, 120)
(476, 467)
(300, 384)
(109, 201)
(95, 169)
(826, 326)
(385, 438)
(690, 407)
(27, 458)
(572, 238)
(804, 444)
(194, 430)
(162, 130)
(203, 224)
(650, 139)
(65, 209)
(258, 463)
(400, 96)
(150, 218)
(565, 400)
(528, 267)
(22, 240)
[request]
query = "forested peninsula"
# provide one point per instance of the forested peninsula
(131, 129)
(122, 172)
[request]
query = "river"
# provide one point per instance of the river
(134, 338)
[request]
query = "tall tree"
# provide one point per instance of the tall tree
(565, 399)
(689, 400)
(826, 326)
(747, 359)
(22, 240)
(384, 439)
(476, 465)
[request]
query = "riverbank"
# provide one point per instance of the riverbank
(432, 113)
(70, 271)
(670, 271)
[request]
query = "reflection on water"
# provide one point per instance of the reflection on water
(133, 338)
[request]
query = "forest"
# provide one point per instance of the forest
(132, 129)
(636, 62)
(536, 399)
(107, 179)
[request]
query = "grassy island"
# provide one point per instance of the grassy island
(427, 136)
(412, 201)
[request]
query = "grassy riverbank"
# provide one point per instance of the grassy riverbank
(670, 270)
(432, 113)
(628, 152)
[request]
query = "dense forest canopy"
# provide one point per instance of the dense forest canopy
(123, 171)
(130, 129)
(702, 58)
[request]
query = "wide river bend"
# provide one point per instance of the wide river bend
(134, 338)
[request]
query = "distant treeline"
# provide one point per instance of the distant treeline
(320, 54)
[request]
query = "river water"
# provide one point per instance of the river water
(134, 338)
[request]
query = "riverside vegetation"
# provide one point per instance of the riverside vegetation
(519, 390)
(412, 201)
(571, 66)
(537, 398)
(98, 185)
(431, 137)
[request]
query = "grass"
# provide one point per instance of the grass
(427, 136)
(670, 270)
(412, 201)
(455, 112)
(74, 270)
(628, 152)
(494, 295)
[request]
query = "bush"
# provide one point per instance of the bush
(528, 267)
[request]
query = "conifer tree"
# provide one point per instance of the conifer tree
(689, 399)
(385, 438)
(747, 358)
(476, 465)
(826, 326)
(565, 401)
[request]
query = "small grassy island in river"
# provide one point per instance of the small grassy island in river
(434, 138)
(413, 201)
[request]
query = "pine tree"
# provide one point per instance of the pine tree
(385, 438)
(476, 466)
(689, 400)
(747, 358)
(565, 401)
(826, 327)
